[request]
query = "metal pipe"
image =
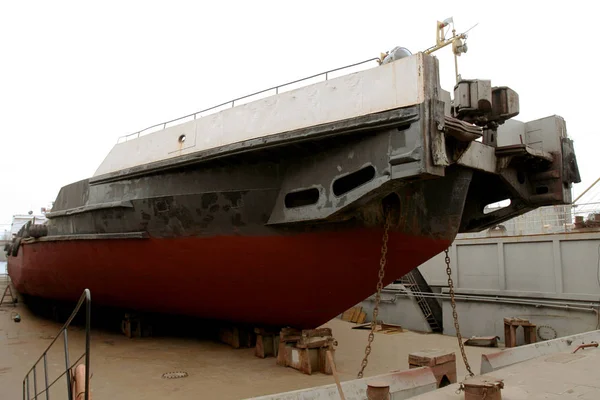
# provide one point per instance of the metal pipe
(34, 383)
(586, 190)
(484, 298)
(46, 376)
(564, 306)
(68, 366)
(585, 346)
(456, 68)
(88, 318)
(27, 378)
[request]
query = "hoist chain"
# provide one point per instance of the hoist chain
(455, 314)
(382, 262)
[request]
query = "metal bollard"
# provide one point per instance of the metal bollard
(378, 390)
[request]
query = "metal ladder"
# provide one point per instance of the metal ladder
(417, 290)
(8, 292)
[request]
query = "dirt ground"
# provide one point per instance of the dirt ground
(125, 368)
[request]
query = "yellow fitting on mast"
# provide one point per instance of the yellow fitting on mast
(458, 46)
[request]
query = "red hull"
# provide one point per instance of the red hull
(302, 280)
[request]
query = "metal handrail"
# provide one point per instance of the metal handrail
(85, 297)
(504, 299)
(543, 220)
(232, 102)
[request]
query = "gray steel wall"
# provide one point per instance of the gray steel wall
(551, 280)
(540, 264)
(487, 319)
(559, 271)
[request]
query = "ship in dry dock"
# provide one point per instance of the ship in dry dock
(274, 212)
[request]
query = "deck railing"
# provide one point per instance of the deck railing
(32, 374)
(550, 219)
(231, 103)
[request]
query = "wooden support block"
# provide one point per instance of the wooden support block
(306, 352)
(283, 354)
(267, 343)
(517, 322)
(355, 314)
(510, 331)
(510, 335)
(347, 315)
(483, 341)
(441, 362)
(431, 358)
(317, 332)
(325, 363)
(236, 337)
(530, 334)
(309, 361)
(299, 359)
(290, 335)
(314, 344)
(361, 318)
(134, 326)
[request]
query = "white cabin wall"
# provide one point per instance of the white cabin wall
(386, 87)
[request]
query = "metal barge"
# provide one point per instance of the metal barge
(239, 214)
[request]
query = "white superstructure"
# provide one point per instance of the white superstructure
(386, 87)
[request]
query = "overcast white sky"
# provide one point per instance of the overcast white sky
(74, 76)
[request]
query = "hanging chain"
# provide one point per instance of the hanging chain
(382, 262)
(455, 315)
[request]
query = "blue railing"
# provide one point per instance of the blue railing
(32, 374)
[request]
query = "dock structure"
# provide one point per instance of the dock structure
(560, 368)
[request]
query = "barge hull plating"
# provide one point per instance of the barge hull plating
(277, 280)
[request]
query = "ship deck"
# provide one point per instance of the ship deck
(125, 368)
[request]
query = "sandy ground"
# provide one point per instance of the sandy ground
(125, 368)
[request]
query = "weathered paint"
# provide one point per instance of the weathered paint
(383, 88)
(403, 385)
(495, 361)
(276, 280)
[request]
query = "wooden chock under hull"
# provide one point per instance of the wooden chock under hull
(306, 350)
(135, 326)
(236, 336)
(267, 343)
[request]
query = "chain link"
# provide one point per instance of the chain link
(381, 274)
(455, 315)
